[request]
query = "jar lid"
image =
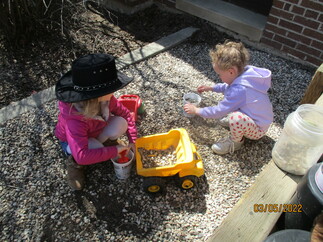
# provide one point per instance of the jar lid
(319, 177)
(311, 116)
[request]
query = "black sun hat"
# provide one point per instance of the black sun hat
(92, 76)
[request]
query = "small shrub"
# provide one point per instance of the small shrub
(26, 20)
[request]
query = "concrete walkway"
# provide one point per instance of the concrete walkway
(227, 15)
(17, 108)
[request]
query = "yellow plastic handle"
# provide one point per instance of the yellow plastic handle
(195, 153)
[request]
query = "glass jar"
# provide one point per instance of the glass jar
(300, 145)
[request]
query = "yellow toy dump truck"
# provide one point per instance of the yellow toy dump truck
(167, 155)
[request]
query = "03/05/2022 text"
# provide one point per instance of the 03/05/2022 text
(277, 208)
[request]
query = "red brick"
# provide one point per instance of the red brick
(272, 19)
(278, 4)
(275, 11)
(312, 33)
(285, 41)
(307, 22)
(281, 14)
(314, 60)
(276, 29)
(317, 44)
(299, 37)
(321, 18)
(312, 5)
(268, 34)
(308, 49)
(291, 26)
(287, 7)
(271, 43)
(293, 1)
(294, 52)
(311, 14)
(298, 10)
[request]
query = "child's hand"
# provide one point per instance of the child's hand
(129, 147)
(191, 108)
(204, 89)
(122, 148)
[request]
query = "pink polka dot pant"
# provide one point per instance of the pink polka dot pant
(242, 125)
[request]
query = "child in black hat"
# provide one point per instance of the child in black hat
(90, 116)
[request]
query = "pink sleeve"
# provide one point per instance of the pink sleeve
(77, 139)
(118, 109)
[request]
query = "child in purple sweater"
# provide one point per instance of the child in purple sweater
(245, 108)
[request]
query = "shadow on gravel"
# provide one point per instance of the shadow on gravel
(124, 206)
(121, 210)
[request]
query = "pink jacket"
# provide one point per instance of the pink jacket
(74, 129)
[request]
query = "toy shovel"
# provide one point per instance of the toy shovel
(123, 158)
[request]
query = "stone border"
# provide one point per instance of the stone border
(17, 108)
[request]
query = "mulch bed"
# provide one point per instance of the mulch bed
(37, 65)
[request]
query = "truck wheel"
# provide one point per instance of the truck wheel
(154, 185)
(187, 182)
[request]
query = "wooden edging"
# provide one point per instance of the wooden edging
(315, 88)
(244, 223)
(27, 104)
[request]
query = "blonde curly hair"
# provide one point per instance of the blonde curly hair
(230, 54)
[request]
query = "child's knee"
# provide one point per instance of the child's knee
(122, 123)
(116, 127)
(119, 127)
(234, 119)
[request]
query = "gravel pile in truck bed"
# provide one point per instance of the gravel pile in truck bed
(37, 204)
(157, 158)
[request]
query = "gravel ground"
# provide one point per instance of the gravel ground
(37, 204)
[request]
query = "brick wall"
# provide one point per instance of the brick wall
(295, 27)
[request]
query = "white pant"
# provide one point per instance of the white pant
(116, 127)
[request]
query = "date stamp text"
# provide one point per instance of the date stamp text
(277, 208)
